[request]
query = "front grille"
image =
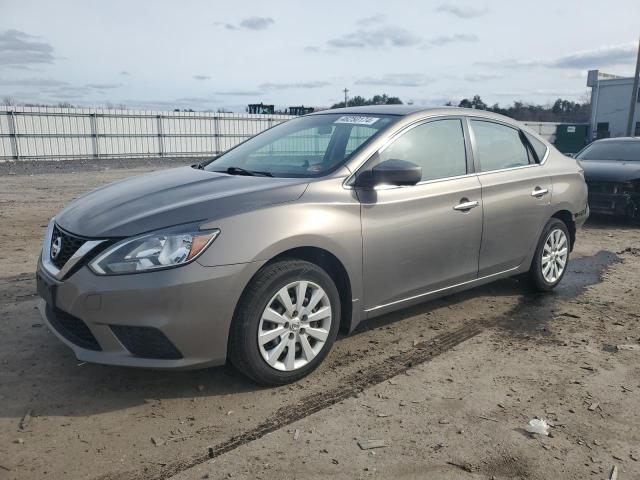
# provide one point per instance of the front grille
(146, 342)
(72, 328)
(67, 245)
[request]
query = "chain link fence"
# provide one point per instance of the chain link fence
(47, 133)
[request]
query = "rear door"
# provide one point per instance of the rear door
(516, 195)
(417, 239)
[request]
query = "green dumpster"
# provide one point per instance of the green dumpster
(571, 137)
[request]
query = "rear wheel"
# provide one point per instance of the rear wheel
(549, 263)
(286, 322)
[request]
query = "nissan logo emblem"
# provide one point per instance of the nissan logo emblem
(56, 247)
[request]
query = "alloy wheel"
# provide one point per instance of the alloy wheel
(554, 255)
(294, 326)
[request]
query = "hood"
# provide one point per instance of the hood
(610, 170)
(171, 197)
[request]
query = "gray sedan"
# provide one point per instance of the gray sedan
(262, 255)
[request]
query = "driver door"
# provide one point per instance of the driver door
(417, 239)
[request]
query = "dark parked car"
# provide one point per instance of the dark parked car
(612, 172)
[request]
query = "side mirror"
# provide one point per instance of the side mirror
(391, 172)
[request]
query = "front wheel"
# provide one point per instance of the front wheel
(552, 255)
(285, 323)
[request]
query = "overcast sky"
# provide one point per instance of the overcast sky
(225, 54)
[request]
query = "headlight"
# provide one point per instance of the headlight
(165, 249)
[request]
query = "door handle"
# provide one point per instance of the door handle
(465, 206)
(539, 192)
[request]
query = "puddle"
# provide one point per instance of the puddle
(584, 272)
(534, 310)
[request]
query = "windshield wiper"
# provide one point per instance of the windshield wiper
(243, 171)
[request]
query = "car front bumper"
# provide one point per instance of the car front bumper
(175, 318)
(623, 204)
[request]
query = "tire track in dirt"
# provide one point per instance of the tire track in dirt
(349, 387)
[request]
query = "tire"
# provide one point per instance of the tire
(251, 322)
(538, 276)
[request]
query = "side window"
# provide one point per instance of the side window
(437, 146)
(499, 146)
(538, 147)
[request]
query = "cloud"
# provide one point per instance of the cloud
(60, 89)
(201, 77)
(257, 23)
(240, 93)
(19, 48)
(373, 19)
(19, 67)
(249, 23)
(509, 64)
(455, 38)
(195, 103)
(462, 12)
(311, 49)
(103, 86)
(34, 82)
(575, 74)
(124, 72)
(397, 80)
(195, 100)
(540, 92)
(388, 35)
(480, 77)
(70, 91)
(228, 26)
(605, 56)
(600, 57)
(286, 86)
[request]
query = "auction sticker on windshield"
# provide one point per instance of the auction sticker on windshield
(357, 120)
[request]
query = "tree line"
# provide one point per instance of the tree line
(560, 111)
(359, 101)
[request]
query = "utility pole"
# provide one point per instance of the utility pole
(634, 95)
(346, 90)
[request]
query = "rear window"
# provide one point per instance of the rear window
(628, 151)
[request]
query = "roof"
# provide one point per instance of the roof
(377, 109)
(404, 110)
(619, 139)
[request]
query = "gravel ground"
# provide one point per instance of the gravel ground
(447, 387)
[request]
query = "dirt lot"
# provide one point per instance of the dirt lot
(448, 386)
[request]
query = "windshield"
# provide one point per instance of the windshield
(309, 146)
(628, 151)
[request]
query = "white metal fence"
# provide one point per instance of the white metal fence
(41, 133)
